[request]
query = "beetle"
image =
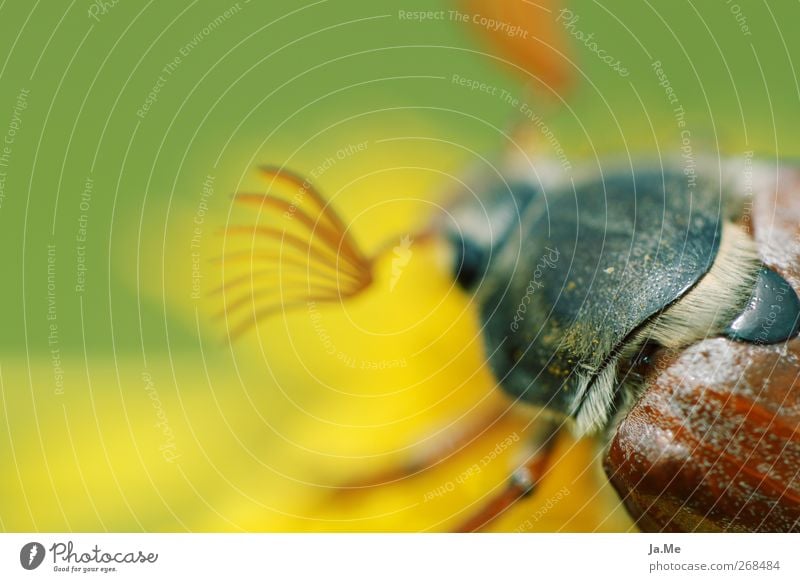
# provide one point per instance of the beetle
(606, 298)
(639, 270)
(639, 259)
(587, 325)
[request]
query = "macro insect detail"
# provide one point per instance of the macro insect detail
(641, 263)
(582, 279)
(609, 268)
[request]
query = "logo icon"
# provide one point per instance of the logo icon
(402, 256)
(31, 555)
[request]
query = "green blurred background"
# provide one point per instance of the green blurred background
(265, 428)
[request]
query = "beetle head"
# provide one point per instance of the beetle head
(571, 282)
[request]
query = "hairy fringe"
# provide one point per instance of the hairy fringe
(703, 312)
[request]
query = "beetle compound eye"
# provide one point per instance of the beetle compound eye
(772, 314)
(469, 263)
(644, 359)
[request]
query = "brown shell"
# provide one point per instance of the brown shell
(713, 444)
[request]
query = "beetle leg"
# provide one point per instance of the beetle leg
(440, 450)
(523, 481)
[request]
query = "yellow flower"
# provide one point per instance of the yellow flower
(288, 428)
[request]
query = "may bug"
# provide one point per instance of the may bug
(640, 304)
(641, 274)
(591, 328)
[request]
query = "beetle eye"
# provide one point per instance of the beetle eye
(469, 263)
(644, 359)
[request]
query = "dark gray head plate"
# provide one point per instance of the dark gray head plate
(586, 266)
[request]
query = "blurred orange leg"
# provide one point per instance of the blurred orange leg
(523, 483)
(440, 451)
